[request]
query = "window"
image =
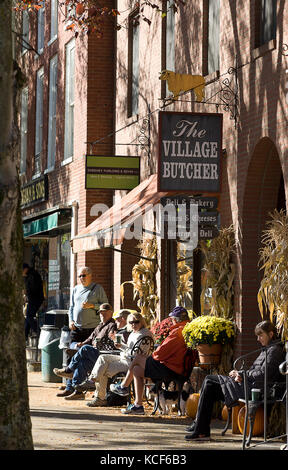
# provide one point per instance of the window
(40, 28)
(25, 31)
(69, 100)
(24, 129)
(168, 42)
(211, 36)
(133, 66)
(52, 113)
(39, 121)
(54, 19)
(266, 21)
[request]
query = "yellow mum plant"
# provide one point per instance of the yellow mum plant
(208, 329)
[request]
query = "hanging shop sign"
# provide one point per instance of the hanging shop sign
(190, 146)
(207, 203)
(34, 192)
(207, 233)
(104, 172)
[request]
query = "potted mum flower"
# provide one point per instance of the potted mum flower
(207, 334)
(161, 330)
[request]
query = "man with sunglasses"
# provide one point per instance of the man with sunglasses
(86, 300)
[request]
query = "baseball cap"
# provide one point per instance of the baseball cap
(121, 313)
(176, 312)
(105, 307)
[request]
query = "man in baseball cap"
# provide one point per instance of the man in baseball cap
(179, 314)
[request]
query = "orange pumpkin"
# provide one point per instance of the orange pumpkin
(258, 427)
(192, 405)
(224, 413)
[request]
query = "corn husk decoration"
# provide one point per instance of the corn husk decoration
(144, 280)
(273, 292)
(219, 273)
(184, 274)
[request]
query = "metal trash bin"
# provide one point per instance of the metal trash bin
(56, 317)
(51, 355)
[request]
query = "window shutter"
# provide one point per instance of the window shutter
(69, 100)
(24, 129)
(52, 112)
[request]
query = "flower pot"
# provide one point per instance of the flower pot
(209, 354)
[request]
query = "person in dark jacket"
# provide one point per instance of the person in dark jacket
(230, 388)
(35, 296)
(83, 361)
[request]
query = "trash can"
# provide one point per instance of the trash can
(56, 317)
(51, 355)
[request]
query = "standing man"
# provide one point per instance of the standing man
(35, 296)
(86, 300)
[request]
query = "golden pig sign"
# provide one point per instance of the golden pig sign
(178, 82)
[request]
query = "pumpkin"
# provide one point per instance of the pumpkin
(224, 413)
(192, 405)
(258, 427)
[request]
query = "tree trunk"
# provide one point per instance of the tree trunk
(15, 423)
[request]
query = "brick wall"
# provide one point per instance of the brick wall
(256, 145)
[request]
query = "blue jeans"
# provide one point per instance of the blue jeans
(81, 364)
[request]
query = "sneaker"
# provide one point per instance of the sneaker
(66, 393)
(195, 436)
(133, 410)
(116, 388)
(63, 373)
(75, 396)
(86, 386)
(97, 402)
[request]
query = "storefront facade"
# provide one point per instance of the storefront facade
(242, 55)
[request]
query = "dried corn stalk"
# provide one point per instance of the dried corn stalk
(144, 280)
(184, 273)
(219, 273)
(273, 291)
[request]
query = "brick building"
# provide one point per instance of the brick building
(241, 50)
(67, 103)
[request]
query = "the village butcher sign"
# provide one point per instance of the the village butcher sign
(190, 148)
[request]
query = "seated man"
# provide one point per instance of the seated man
(109, 365)
(166, 362)
(230, 388)
(83, 361)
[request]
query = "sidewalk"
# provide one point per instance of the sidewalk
(58, 424)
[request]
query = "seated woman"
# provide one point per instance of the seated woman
(230, 388)
(167, 362)
(109, 365)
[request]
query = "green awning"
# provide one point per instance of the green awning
(40, 225)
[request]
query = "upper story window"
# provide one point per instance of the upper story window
(265, 21)
(54, 19)
(25, 31)
(133, 65)
(39, 121)
(168, 43)
(24, 129)
(211, 36)
(69, 100)
(40, 28)
(52, 113)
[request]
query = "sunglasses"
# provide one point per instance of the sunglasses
(82, 275)
(134, 322)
